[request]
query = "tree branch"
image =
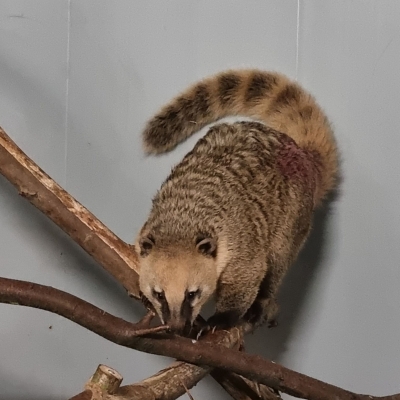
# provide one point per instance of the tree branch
(82, 226)
(169, 383)
(203, 352)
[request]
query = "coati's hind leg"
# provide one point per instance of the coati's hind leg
(265, 307)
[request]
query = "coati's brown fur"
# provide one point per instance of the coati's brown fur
(234, 213)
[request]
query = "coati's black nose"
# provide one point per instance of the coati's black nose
(179, 327)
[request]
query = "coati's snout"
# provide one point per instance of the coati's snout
(174, 310)
(178, 281)
(179, 324)
(179, 308)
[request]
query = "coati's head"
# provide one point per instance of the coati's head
(177, 280)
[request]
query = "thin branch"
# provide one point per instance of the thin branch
(201, 353)
(187, 391)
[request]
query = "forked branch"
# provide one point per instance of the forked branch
(204, 352)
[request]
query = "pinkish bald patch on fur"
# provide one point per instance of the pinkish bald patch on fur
(297, 164)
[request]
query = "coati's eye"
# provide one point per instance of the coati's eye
(192, 294)
(159, 295)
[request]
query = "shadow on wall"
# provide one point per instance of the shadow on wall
(272, 343)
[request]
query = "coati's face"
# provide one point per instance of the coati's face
(177, 282)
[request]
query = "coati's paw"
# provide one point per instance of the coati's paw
(254, 314)
(219, 321)
(261, 312)
(224, 320)
(199, 328)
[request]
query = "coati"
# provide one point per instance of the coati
(233, 214)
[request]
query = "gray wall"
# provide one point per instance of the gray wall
(78, 79)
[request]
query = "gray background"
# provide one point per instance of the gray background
(78, 79)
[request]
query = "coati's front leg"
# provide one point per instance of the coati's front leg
(235, 295)
(265, 307)
(228, 311)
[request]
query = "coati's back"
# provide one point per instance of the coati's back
(234, 213)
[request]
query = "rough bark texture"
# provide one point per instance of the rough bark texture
(44, 193)
(166, 384)
(106, 379)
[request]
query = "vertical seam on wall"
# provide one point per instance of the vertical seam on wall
(297, 38)
(67, 93)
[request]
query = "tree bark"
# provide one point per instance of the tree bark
(81, 225)
(203, 353)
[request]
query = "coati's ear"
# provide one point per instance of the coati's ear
(207, 246)
(146, 244)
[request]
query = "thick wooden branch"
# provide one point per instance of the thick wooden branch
(44, 193)
(203, 352)
(169, 383)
